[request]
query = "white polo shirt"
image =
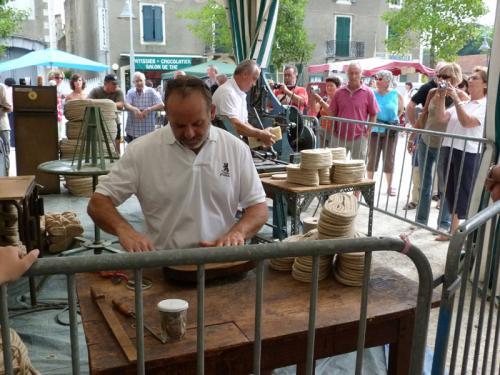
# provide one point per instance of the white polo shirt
(230, 101)
(185, 197)
(474, 108)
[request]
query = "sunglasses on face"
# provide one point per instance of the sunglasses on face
(443, 76)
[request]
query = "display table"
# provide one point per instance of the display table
(22, 192)
(66, 167)
(229, 322)
(298, 198)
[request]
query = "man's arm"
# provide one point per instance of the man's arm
(12, 264)
(247, 130)
(104, 213)
(250, 223)
(298, 98)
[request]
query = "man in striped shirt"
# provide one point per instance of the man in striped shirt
(142, 102)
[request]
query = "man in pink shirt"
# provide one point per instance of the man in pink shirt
(355, 101)
(289, 93)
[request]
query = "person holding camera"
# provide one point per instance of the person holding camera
(429, 147)
(288, 93)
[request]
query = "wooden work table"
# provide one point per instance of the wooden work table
(298, 197)
(22, 192)
(229, 321)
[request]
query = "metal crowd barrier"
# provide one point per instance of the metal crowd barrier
(258, 253)
(481, 237)
(403, 174)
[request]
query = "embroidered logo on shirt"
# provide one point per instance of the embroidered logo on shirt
(225, 170)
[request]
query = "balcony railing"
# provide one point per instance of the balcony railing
(344, 48)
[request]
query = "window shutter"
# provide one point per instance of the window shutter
(148, 23)
(343, 36)
(158, 24)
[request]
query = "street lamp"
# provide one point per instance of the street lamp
(485, 48)
(127, 13)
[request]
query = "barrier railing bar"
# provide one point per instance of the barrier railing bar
(464, 233)
(484, 295)
(472, 305)
(136, 261)
(73, 323)
(399, 194)
(492, 301)
(4, 321)
(200, 320)
(257, 344)
(407, 135)
(363, 313)
(313, 301)
(495, 344)
(139, 322)
(383, 167)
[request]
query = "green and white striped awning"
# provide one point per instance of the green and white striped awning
(253, 23)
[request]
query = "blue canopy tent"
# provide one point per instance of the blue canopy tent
(53, 57)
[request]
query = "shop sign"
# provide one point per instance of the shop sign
(162, 62)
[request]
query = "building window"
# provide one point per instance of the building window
(153, 27)
(344, 2)
(395, 3)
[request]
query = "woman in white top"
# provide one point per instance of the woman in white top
(464, 118)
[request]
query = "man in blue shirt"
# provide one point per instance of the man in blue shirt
(142, 102)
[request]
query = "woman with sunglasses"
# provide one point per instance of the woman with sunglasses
(465, 118)
(382, 140)
(429, 147)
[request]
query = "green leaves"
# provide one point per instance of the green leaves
(10, 21)
(443, 26)
(290, 43)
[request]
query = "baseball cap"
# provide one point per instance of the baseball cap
(111, 78)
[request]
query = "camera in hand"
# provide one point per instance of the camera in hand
(442, 85)
(277, 86)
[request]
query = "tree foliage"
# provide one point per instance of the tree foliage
(472, 47)
(10, 21)
(290, 43)
(444, 26)
(210, 25)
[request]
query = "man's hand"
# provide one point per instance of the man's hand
(13, 264)
(229, 239)
(133, 241)
(138, 113)
(266, 137)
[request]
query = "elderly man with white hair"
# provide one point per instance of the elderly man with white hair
(142, 102)
(354, 101)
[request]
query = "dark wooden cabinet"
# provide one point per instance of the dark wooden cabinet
(35, 119)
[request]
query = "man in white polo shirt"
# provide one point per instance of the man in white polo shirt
(190, 178)
(230, 99)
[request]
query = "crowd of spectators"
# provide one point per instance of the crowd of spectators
(443, 168)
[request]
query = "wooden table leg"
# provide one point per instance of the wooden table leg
(400, 351)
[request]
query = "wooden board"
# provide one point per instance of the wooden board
(229, 322)
(16, 188)
(212, 270)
